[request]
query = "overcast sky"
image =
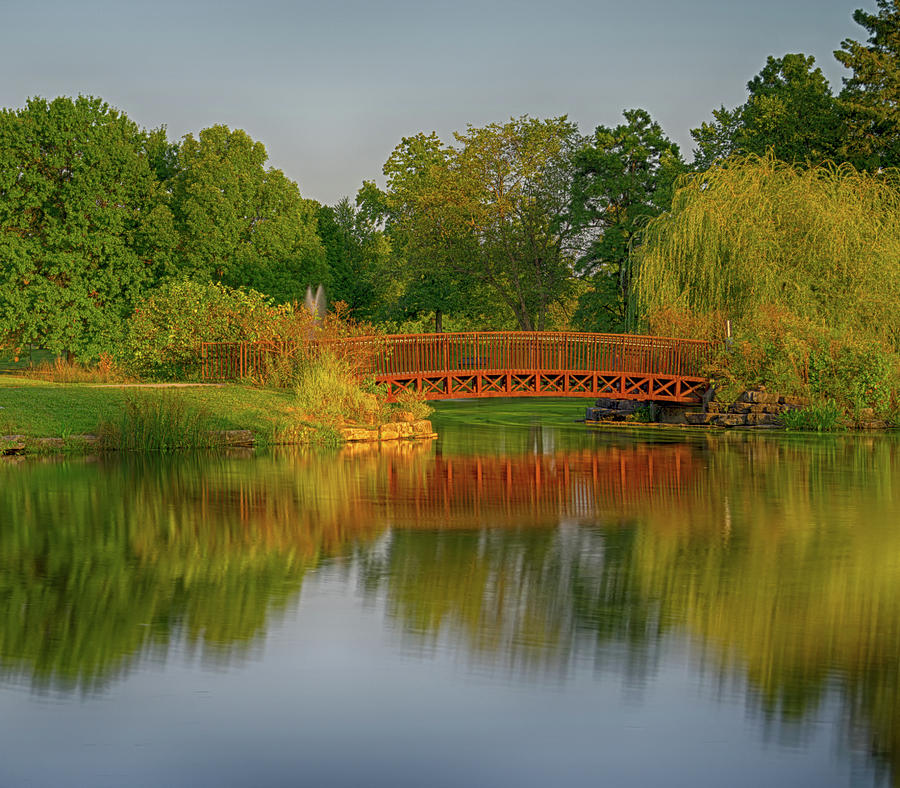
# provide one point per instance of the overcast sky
(331, 87)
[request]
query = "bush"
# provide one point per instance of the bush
(166, 330)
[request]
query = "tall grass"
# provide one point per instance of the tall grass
(819, 417)
(61, 371)
(327, 390)
(158, 421)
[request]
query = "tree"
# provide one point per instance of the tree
(84, 228)
(790, 109)
(241, 223)
(624, 176)
(756, 233)
(415, 171)
(871, 95)
(358, 256)
(491, 212)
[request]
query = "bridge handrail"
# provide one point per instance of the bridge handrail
(493, 351)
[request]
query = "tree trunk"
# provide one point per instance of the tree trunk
(438, 321)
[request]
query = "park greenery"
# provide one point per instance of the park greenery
(122, 247)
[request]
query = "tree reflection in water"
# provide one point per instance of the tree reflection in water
(781, 558)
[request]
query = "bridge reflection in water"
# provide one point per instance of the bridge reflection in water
(476, 491)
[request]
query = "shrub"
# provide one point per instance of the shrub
(167, 328)
(414, 403)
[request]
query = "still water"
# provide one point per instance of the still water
(525, 601)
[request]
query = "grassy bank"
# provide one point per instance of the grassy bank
(37, 409)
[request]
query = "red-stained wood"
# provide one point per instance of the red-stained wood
(497, 364)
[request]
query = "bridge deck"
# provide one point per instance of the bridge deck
(500, 364)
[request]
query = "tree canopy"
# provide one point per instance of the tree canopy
(822, 242)
(790, 110)
(84, 226)
(491, 211)
(622, 177)
(241, 223)
(871, 95)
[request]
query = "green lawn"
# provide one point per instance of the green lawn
(40, 409)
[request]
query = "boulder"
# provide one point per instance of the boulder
(422, 427)
(358, 434)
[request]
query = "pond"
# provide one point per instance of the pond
(524, 601)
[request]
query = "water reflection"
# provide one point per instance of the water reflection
(781, 559)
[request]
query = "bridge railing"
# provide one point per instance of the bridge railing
(396, 355)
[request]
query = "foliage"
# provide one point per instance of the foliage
(84, 229)
(490, 212)
(623, 177)
(413, 403)
(796, 357)
(823, 242)
(240, 222)
(820, 417)
(359, 256)
(871, 95)
(805, 265)
(790, 110)
(327, 390)
(166, 330)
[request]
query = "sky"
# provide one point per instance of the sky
(330, 88)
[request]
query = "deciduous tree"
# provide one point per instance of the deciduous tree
(240, 222)
(490, 212)
(84, 228)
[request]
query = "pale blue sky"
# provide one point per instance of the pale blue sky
(330, 88)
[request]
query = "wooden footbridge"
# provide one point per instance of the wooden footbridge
(497, 364)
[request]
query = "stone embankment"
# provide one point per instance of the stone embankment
(409, 428)
(753, 408)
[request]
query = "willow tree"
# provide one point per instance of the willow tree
(822, 243)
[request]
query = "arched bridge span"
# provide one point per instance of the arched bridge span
(499, 364)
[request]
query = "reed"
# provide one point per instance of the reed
(158, 421)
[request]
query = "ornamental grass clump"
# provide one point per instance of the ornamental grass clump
(328, 391)
(158, 421)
